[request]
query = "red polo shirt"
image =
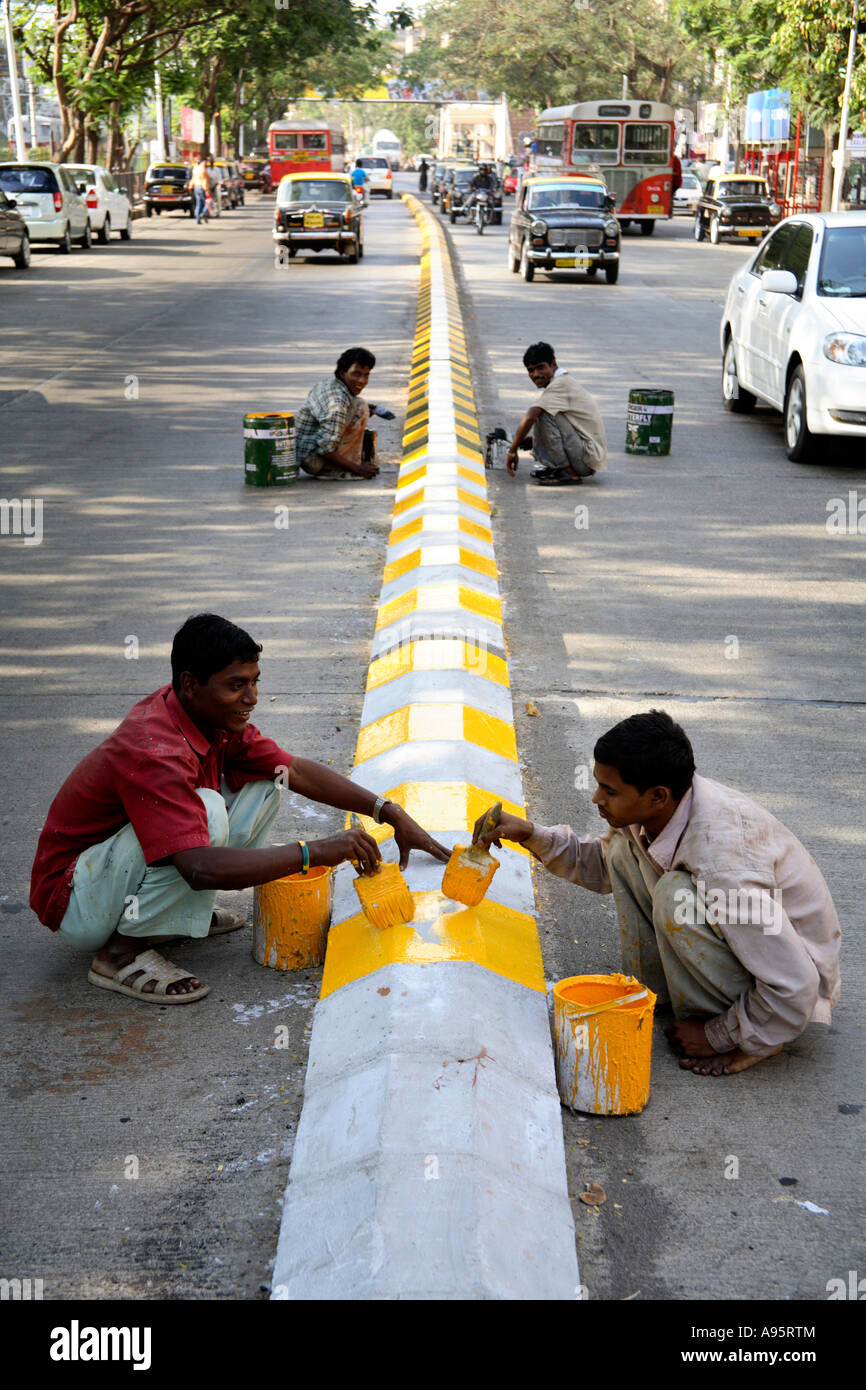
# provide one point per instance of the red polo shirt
(144, 774)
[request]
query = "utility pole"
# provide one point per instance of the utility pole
(20, 146)
(839, 161)
(31, 93)
(625, 86)
(160, 123)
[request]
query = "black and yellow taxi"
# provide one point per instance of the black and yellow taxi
(166, 187)
(735, 205)
(564, 223)
(318, 212)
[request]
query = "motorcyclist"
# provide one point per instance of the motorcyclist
(483, 178)
(359, 180)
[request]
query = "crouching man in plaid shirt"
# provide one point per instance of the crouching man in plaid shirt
(333, 418)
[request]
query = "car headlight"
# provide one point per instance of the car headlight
(849, 348)
(775, 210)
(611, 228)
(538, 228)
(725, 212)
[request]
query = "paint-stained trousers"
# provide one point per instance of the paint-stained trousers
(557, 444)
(114, 890)
(667, 942)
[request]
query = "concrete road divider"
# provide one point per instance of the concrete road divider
(429, 1157)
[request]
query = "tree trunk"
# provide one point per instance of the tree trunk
(92, 143)
(115, 140)
(827, 179)
(218, 132)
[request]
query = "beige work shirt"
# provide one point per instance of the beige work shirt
(565, 396)
(785, 932)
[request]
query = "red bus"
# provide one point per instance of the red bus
(297, 146)
(631, 142)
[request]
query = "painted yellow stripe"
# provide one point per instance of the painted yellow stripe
(451, 494)
(415, 528)
(419, 432)
(469, 453)
(496, 937)
(441, 654)
(442, 806)
(436, 723)
(428, 598)
(440, 555)
(406, 480)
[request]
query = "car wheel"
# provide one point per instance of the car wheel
(157, 211)
(647, 228)
(86, 241)
(352, 256)
(611, 273)
(390, 193)
(22, 260)
(513, 261)
(150, 211)
(126, 232)
(698, 229)
(65, 246)
(735, 397)
(799, 442)
(591, 271)
(714, 231)
(104, 232)
(625, 223)
(360, 249)
(452, 216)
(527, 269)
(497, 219)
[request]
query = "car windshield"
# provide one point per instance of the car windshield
(170, 171)
(554, 199)
(689, 181)
(374, 164)
(744, 188)
(27, 181)
(842, 272)
(315, 191)
(464, 175)
(78, 171)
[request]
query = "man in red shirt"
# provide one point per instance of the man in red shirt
(175, 805)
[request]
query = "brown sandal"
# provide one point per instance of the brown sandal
(153, 967)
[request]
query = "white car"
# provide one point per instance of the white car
(378, 171)
(793, 332)
(110, 209)
(46, 197)
(686, 197)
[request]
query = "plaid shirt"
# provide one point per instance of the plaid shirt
(322, 419)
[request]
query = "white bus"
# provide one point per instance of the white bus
(386, 144)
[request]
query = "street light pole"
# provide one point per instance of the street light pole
(843, 124)
(160, 123)
(21, 148)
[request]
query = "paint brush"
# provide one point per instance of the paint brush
(383, 893)
(469, 872)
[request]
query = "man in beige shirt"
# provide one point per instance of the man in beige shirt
(722, 912)
(568, 440)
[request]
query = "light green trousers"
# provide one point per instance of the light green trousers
(690, 966)
(114, 890)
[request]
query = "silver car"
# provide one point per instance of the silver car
(47, 198)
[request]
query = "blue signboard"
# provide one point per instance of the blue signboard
(768, 115)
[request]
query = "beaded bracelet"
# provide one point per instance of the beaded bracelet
(305, 856)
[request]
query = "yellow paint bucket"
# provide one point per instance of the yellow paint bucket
(602, 1030)
(291, 917)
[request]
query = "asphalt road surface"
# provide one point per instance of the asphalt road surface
(124, 376)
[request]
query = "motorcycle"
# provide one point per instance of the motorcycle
(482, 213)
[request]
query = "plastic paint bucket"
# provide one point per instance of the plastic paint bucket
(649, 422)
(602, 1029)
(291, 917)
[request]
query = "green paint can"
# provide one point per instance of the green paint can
(269, 449)
(650, 421)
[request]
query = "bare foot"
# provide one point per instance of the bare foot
(122, 950)
(724, 1063)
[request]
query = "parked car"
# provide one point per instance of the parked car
(14, 237)
(688, 194)
(738, 205)
(167, 187)
(109, 207)
(379, 173)
(47, 198)
(564, 223)
(793, 332)
(231, 183)
(318, 212)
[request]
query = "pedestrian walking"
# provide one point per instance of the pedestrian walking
(200, 189)
(422, 176)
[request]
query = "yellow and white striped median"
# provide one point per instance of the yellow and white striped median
(429, 1158)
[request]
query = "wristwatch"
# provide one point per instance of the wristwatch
(378, 805)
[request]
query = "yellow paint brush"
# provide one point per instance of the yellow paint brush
(384, 895)
(469, 872)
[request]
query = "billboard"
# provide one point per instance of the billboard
(191, 126)
(768, 115)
